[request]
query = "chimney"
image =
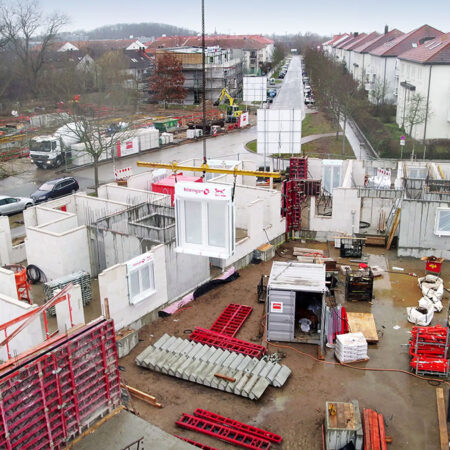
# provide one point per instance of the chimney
(355, 34)
(386, 29)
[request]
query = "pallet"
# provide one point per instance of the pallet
(222, 432)
(231, 319)
(365, 323)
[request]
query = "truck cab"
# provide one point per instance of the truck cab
(46, 152)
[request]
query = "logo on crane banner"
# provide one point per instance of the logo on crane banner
(276, 307)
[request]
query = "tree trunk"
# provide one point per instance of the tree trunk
(338, 125)
(96, 175)
(343, 135)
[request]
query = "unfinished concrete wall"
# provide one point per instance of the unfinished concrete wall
(90, 209)
(128, 195)
(8, 283)
(184, 272)
(113, 285)
(76, 310)
(371, 209)
(5, 241)
(32, 335)
(72, 254)
(417, 236)
(120, 247)
(341, 220)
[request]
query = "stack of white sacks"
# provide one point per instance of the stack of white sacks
(432, 290)
(351, 347)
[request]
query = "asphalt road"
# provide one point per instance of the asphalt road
(227, 146)
(291, 93)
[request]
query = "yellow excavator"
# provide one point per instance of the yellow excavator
(233, 111)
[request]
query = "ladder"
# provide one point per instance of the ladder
(231, 319)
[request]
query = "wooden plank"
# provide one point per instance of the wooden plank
(366, 430)
(393, 229)
(143, 396)
(443, 431)
(382, 432)
(375, 430)
(365, 323)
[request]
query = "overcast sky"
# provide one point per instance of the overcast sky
(260, 16)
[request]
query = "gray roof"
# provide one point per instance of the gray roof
(296, 276)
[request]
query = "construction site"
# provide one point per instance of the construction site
(229, 300)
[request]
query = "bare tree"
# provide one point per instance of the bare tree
(416, 112)
(21, 26)
(377, 92)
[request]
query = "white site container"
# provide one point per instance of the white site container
(337, 437)
(351, 347)
(148, 138)
(168, 137)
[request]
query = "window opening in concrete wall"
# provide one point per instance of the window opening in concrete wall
(442, 227)
(141, 278)
(417, 173)
(331, 177)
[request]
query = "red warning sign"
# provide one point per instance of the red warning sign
(276, 307)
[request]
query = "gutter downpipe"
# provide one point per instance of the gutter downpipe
(426, 111)
(384, 78)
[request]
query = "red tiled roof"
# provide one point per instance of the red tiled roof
(335, 38)
(362, 40)
(111, 44)
(223, 41)
(374, 43)
(405, 42)
(436, 51)
(346, 41)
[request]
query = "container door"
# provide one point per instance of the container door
(280, 315)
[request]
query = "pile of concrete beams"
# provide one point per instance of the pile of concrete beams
(201, 363)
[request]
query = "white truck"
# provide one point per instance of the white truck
(50, 151)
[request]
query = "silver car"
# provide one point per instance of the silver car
(14, 205)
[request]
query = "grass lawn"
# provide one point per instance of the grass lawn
(251, 146)
(326, 147)
(316, 124)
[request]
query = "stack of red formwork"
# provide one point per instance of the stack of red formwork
(298, 168)
(428, 347)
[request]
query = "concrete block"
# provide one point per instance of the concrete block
(140, 358)
(150, 359)
(247, 389)
(202, 352)
(216, 355)
(266, 369)
(176, 365)
(222, 357)
(169, 362)
(241, 383)
(259, 367)
(207, 355)
(198, 372)
(239, 358)
(281, 376)
(197, 347)
(184, 347)
(164, 338)
(258, 389)
(273, 372)
(218, 382)
(175, 344)
(190, 368)
(231, 357)
(180, 370)
(209, 376)
(244, 363)
(126, 342)
(168, 343)
(251, 365)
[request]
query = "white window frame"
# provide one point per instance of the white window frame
(204, 248)
(437, 231)
(139, 265)
(332, 163)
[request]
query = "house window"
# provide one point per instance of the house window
(205, 219)
(141, 278)
(442, 226)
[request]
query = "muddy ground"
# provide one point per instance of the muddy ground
(296, 411)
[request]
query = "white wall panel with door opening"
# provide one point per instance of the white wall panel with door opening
(205, 219)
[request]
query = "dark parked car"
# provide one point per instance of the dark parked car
(55, 188)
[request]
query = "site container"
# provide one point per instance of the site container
(296, 303)
(167, 185)
(166, 125)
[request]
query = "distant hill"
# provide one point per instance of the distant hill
(125, 30)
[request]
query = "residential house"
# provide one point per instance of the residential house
(257, 49)
(327, 47)
(349, 55)
(425, 71)
(339, 53)
(104, 45)
(361, 55)
(384, 64)
(223, 70)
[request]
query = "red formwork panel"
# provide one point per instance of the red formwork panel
(298, 167)
(58, 393)
(222, 432)
(217, 418)
(195, 443)
(231, 319)
(218, 340)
